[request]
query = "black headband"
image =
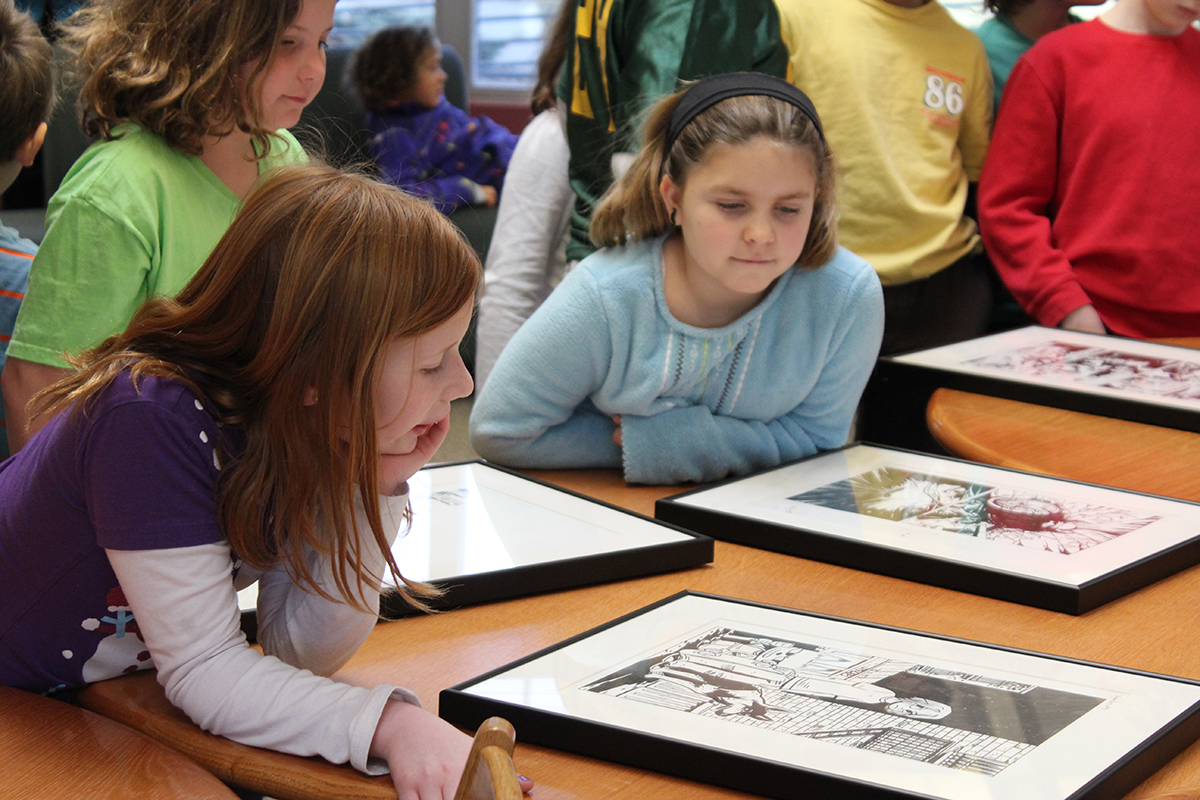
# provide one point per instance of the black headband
(707, 92)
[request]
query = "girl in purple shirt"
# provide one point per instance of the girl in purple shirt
(261, 426)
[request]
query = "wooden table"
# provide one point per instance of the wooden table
(50, 750)
(1068, 444)
(1142, 631)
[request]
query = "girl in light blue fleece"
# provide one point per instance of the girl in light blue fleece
(721, 330)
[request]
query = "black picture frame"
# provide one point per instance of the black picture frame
(1108, 376)
(791, 704)
(1041, 541)
(637, 545)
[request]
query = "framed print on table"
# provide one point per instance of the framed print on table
(485, 533)
(1139, 381)
(1033, 539)
(790, 704)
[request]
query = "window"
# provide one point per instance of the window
(507, 40)
(971, 13)
(355, 20)
(502, 37)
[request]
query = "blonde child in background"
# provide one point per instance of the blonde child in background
(420, 141)
(1088, 196)
(188, 101)
(721, 330)
(26, 99)
(321, 336)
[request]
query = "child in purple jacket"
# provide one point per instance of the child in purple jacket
(420, 141)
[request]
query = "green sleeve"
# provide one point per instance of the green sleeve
(88, 278)
(137, 223)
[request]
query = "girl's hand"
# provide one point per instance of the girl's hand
(426, 754)
(1085, 320)
(617, 433)
(396, 468)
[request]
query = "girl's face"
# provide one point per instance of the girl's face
(744, 213)
(430, 80)
(296, 75)
(421, 375)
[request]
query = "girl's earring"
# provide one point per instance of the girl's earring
(673, 222)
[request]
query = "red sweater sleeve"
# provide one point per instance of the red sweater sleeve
(1017, 197)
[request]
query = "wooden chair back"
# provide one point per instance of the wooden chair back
(490, 774)
(137, 700)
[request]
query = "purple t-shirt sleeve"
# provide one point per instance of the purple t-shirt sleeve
(150, 470)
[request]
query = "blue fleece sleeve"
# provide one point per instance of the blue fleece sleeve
(534, 409)
(693, 444)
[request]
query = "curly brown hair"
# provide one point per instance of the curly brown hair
(385, 67)
(177, 68)
(26, 79)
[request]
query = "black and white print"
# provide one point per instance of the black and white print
(949, 718)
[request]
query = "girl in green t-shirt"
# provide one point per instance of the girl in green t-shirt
(186, 100)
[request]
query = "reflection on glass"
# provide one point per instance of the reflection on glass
(470, 519)
(466, 540)
(540, 693)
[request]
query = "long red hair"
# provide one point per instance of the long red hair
(318, 273)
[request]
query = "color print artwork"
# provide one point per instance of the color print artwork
(953, 719)
(1011, 516)
(1100, 367)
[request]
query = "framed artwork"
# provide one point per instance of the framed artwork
(1033, 539)
(485, 533)
(1111, 376)
(790, 704)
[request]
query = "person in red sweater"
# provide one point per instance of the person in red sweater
(1089, 192)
